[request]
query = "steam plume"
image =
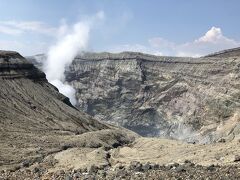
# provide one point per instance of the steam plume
(72, 40)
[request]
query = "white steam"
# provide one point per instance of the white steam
(72, 40)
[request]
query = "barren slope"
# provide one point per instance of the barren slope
(36, 120)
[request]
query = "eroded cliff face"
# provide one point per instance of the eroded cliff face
(194, 99)
(160, 96)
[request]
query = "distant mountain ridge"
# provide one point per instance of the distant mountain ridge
(235, 52)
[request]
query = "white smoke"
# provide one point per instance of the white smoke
(71, 41)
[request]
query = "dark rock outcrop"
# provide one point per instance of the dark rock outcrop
(13, 65)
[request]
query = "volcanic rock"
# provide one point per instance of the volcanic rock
(191, 99)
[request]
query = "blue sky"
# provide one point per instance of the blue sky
(162, 27)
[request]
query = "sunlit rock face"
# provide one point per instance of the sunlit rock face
(194, 99)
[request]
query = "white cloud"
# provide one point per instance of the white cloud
(159, 42)
(26, 48)
(213, 35)
(9, 30)
(19, 27)
(212, 41)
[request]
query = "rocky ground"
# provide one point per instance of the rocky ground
(146, 158)
(136, 170)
